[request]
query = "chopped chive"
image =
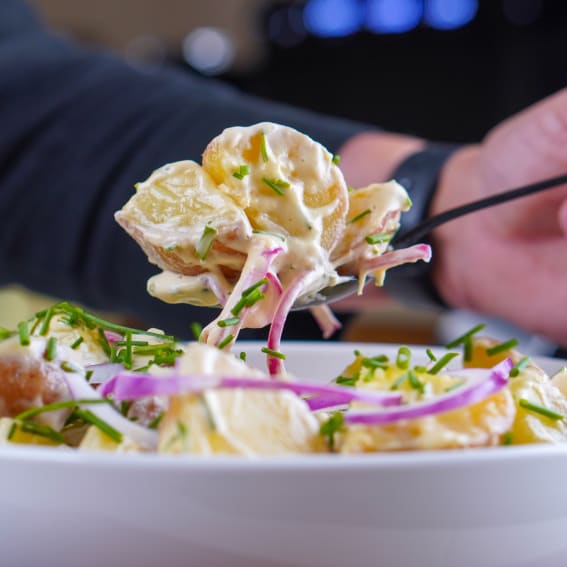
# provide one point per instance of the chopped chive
(88, 318)
(5, 333)
(196, 329)
(467, 349)
(442, 362)
(230, 322)
(255, 286)
(75, 344)
(507, 438)
(331, 427)
(376, 362)
(522, 364)
(356, 352)
(93, 419)
(36, 429)
(346, 380)
(268, 233)
(264, 148)
(24, 333)
(125, 407)
(276, 184)
(247, 300)
(27, 414)
(89, 375)
(273, 353)
(430, 355)
(415, 382)
(502, 347)
(46, 322)
(242, 356)
(399, 381)
(128, 358)
(378, 238)
(12, 431)
(467, 335)
(526, 404)
(403, 358)
(359, 216)
(227, 340)
(133, 343)
(420, 368)
(153, 349)
(69, 366)
(336, 159)
(50, 349)
(241, 172)
(103, 341)
(206, 242)
(156, 421)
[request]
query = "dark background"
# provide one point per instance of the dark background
(441, 84)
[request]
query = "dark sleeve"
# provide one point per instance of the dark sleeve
(78, 129)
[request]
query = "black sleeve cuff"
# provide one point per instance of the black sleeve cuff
(412, 284)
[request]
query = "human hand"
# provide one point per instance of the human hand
(509, 261)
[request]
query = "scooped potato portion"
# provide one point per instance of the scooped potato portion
(292, 186)
(184, 223)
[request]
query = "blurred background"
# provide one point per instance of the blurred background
(442, 69)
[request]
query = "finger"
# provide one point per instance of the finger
(531, 145)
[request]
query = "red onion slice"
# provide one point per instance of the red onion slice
(486, 384)
(134, 386)
(326, 320)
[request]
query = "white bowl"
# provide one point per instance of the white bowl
(500, 507)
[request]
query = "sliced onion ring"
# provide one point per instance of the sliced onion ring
(486, 383)
(133, 386)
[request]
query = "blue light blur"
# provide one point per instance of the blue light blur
(449, 14)
(393, 16)
(333, 18)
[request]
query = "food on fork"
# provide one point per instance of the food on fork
(267, 221)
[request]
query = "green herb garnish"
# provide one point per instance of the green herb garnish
(442, 362)
(502, 347)
(546, 412)
(521, 365)
(227, 340)
(278, 185)
(196, 329)
(24, 333)
(89, 417)
(415, 382)
(273, 353)
(206, 242)
(467, 335)
(331, 427)
(359, 216)
(75, 344)
(230, 322)
(241, 172)
(346, 380)
(264, 148)
(51, 349)
(336, 159)
(403, 358)
(378, 238)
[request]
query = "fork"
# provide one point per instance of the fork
(415, 234)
